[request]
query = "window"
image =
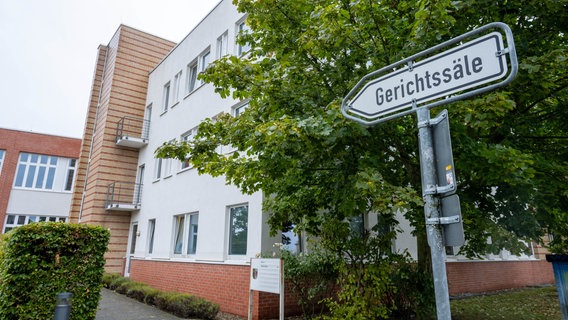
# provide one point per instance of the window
(191, 76)
(167, 164)
(177, 80)
(240, 109)
(195, 68)
(179, 222)
(185, 227)
(151, 230)
(158, 169)
(187, 137)
(71, 167)
(133, 237)
(357, 225)
(147, 119)
(238, 230)
(192, 237)
(242, 29)
(15, 220)
(204, 61)
(36, 171)
(222, 45)
(291, 240)
(2, 152)
(166, 97)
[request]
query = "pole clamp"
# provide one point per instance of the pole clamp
(443, 220)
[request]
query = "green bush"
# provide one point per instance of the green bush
(40, 260)
(180, 304)
(311, 277)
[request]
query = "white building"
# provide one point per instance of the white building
(175, 229)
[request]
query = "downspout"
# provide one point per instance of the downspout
(93, 135)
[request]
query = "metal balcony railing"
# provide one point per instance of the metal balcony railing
(132, 132)
(123, 196)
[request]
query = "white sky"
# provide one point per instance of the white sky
(48, 50)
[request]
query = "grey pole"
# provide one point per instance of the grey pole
(63, 306)
(433, 231)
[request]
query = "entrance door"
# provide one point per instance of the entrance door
(131, 247)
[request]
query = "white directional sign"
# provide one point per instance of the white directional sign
(466, 66)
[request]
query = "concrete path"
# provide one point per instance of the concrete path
(114, 306)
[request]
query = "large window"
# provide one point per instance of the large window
(185, 234)
(242, 29)
(15, 220)
(238, 230)
(36, 171)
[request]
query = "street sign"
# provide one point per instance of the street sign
(425, 80)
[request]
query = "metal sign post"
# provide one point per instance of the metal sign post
(418, 83)
(433, 231)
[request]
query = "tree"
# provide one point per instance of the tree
(293, 143)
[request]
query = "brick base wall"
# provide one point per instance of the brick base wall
(484, 276)
(228, 285)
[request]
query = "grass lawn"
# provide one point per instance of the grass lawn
(529, 304)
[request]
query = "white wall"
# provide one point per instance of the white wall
(186, 191)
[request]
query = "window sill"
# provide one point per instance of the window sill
(175, 104)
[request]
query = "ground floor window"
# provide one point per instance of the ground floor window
(185, 233)
(238, 230)
(15, 220)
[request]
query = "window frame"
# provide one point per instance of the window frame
(166, 97)
(176, 87)
(27, 219)
(46, 177)
(71, 171)
(241, 28)
(151, 236)
(184, 237)
(187, 136)
(222, 48)
(158, 169)
(2, 154)
(231, 252)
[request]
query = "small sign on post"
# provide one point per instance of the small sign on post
(267, 275)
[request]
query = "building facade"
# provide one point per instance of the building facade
(171, 227)
(37, 174)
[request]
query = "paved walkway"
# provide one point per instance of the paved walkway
(114, 306)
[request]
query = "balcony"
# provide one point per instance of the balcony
(132, 132)
(123, 196)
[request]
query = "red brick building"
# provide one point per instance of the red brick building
(37, 173)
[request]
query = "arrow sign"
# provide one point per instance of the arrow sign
(469, 65)
(454, 74)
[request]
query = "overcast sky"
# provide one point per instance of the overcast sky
(48, 50)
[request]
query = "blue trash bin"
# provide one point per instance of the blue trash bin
(560, 268)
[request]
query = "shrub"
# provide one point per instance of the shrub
(311, 278)
(180, 304)
(41, 260)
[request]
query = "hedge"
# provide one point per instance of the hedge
(182, 305)
(40, 260)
